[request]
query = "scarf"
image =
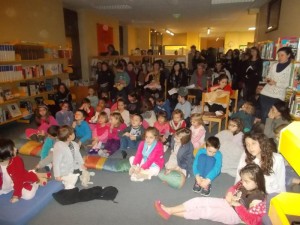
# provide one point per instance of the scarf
(176, 126)
(147, 151)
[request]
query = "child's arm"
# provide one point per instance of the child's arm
(251, 218)
(57, 158)
(48, 144)
(156, 153)
(78, 157)
(87, 132)
(195, 164)
(198, 138)
(217, 168)
(138, 156)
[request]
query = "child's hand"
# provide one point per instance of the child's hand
(127, 134)
(163, 139)
(14, 199)
(235, 203)
(229, 197)
(133, 169)
(58, 178)
(205, 183)
(79, 143)
(132, 137)
(254, 203)
(83, 167)
(74, 124)
(199, 180)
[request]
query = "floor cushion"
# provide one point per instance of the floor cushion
(174, 179)
(108, 164)
(24, 210)
(32, 148)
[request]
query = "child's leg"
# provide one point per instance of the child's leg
(205, 164)
(29, 194)
(29, 133)
(124, 140)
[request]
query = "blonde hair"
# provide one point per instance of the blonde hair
(118, 117)
(153, 131)
(178, 111)
(197, 117)
(249, 108)
(104, 115)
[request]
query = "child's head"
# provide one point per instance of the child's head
(223, 80)
(281, 109)
(116, 119)
(146, 106)
(196, 120)
(151, 135)
(182, 93)
(212, 145)
(259, 88)
(42, 111)
(258, 145)
(80, 115)
(7, 149)
(104, 94)
(253, 178)
(53, 130)
(102, 102)
(121, 105)
(136, 120)
(160, 101)
(152, 100)
(162, 117)
(66, 133)
(235, 125)
(132, 96)
(103, 118)
(130, 66)
(177, 115)
(248, 108)
(86, 101)
(91, 91)
(183, 135)
(65, 106)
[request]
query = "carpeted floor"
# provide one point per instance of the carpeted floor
(135, 200)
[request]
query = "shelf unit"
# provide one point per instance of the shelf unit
(13, 86)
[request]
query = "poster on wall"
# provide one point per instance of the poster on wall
(104, 37)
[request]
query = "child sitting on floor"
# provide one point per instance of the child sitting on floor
(83, 132)
(86, 106)
(198, 130)
(148, 113)
(177, 121)
(133, 105)
(92, 97)
(123, 111)
(116, 125)
(100, 133)
(181, 158)
(162, 125)
(149, 158)
(246, 114)
(64, 116)
(13, 175)
(101, 107)
(131, 136)
(207, 166)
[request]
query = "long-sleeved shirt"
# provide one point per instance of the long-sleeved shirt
(138, 132)
(216, 170)
(186, 108)
(164, 129)
(48, 144)
(198, 136)
(101, 132)
(44, 125)
(83, 131)
(113, 133)
(271, 124)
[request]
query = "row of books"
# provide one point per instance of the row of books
(29, 51)
(294, 104)
(7, 52)
(32, 88)
(10, 73)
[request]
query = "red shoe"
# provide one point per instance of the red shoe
(49, 175)
(160, 211)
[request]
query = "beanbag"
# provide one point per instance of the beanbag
(32, 148)
(174, 179)
(108, 164)
(24, 210)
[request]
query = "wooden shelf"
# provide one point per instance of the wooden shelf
(33, 78)
(17, 117)
(10, 101)
(30, 62)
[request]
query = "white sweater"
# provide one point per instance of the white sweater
(275, 182)
(282, 80)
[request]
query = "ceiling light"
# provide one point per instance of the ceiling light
(169, 32)
(112, 7)
(215, 2)
(252, 28)
(217, 39)
(208, 31)
(270, 27)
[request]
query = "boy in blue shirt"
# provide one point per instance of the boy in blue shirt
(82, 129)
(207, 166)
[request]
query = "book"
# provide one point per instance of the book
(14, 110)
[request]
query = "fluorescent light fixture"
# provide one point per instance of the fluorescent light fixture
(252, 28)
(208, 31)
(270, 27)
(215, 2)
(112, 7)
(217, 39)
(169, 32)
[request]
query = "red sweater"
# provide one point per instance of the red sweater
(20, 176)
(226, 88)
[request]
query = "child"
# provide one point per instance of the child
(246, 114)
(14, 177)
(64, 116)
(131, 136)
(66, 154)
(44, 120)
(147, 112)
(149, 158)
(83, 132)
(207, 166)
(184, 105)
(124, 112)
(113, 141)
(177, 121)
(86, 106)
(162, 126)
(46, 152)
(100, 133)
(101, 107)
(92, 97)
(198, 130)
(244, 201)
(163, 105)
(260, 150)
(181, 158)
(133, 105)
(231, 146)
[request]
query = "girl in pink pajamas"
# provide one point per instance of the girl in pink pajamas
(244, 201)
(198, 130)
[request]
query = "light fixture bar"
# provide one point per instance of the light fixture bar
(252, 28)
(216, 2)
(169, 32)
(208, 31)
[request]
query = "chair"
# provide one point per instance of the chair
(211, 117)
(191, 99)
(235, 96)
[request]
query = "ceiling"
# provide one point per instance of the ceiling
(179, 16)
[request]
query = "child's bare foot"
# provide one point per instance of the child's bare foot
(42, 181)
(14, 199)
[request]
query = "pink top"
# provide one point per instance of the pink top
(198, 136)
(114, 107)
(101, 132)
(156, 156)
(113, 132)
(44, 125)
(164, 129)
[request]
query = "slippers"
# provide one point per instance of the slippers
(160, 211)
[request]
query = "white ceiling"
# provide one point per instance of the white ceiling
(194, 15)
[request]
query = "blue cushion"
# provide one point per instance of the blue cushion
(24, 210)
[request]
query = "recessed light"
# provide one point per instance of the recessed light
(270, 27)
(252, 28)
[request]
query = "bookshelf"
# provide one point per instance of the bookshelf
(21, 81)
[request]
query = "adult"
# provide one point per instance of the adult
(277, 81)
(110, 51)
(105, 78)
(191, 55)
(121, 82)
(62, 95)
(155, 81)
(132, 74)
(219, 70)
(253, 73)
(199, 79)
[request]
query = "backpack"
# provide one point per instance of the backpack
(109, 193)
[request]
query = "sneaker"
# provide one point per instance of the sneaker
(197, 188)
(124, 154)
(206, 192)
(93, 151)
(103, 153)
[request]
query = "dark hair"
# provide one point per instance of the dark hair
(86, 100)
(258, 127)
(133, 94)
(138, 115)
(146, 106)
(256, 174)
(223, 76)
(257, 52)
(160, 99)
(184, 134)
(38, 117)
(7, 147)
(121, 100)
(64, 132)
(53, 130)
(267, 149)
(239, 124)
(64, 85)
(284, 110)
(84, 114)
(288, 51)
(131, 63)
(173, 67)
(213, 142)
(162, 114)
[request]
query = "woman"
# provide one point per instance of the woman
(105, 78)
(253, 73)
(63, 95)
(277, 81)
(199, 79)
(155, 81)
